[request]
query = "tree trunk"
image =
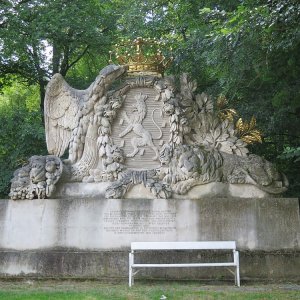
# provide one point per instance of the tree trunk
(55, 59)
(42, 87)
(64, 66)
(41, 74)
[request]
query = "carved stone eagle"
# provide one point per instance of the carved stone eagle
(68, 111)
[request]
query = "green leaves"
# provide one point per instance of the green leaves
(21, 136)
(291, 153)
(21, 132)
(34, 30)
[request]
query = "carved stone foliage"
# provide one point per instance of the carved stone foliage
(112, 163)
(142, 130)
(149, 178)
(36, 179)
(202, 125)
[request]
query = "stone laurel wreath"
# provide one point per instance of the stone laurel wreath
(200, 143)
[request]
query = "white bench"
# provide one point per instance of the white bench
(158, 246)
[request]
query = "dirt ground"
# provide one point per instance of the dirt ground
(80, 285)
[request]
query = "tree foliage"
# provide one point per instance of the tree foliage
(43, 37)
(256, 61)
(21, 132)
(247, 51)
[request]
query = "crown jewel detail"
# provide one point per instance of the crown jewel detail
(142, 56)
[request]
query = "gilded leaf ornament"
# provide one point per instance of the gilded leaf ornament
(247, 131)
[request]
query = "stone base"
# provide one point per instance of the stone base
(208, 190)
(91, 237)
(266, 266)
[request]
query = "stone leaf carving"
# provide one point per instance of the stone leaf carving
(149, 178)
(193, 121)
(36, 179)
(112, 165)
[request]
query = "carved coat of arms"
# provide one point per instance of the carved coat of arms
(144, 130)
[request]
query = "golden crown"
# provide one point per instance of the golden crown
(141, 56)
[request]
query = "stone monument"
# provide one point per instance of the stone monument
(132, 126)
(145, 159)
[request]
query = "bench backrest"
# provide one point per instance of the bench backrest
(210, 245)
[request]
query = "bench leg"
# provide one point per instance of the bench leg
(237, 268)
(131, 279)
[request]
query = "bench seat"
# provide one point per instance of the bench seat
(165, 246)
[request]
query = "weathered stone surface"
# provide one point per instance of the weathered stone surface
(261, 224)
(209, 190)
(265, 266)
(91, 237)
(143, 130)
(153, 125)
(36, 179)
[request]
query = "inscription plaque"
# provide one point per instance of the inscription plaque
(140, 222)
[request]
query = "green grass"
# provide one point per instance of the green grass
(54, 290)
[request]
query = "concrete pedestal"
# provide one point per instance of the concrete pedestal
(91, 237)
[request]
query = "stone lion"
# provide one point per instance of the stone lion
(185, 166)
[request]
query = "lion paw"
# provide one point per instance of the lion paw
(182, 188)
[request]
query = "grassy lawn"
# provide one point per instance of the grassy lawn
(93, 290)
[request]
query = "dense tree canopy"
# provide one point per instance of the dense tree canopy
(41, 38)
(246, 50)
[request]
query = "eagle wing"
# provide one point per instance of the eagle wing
(62, 113)
(64, 106)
